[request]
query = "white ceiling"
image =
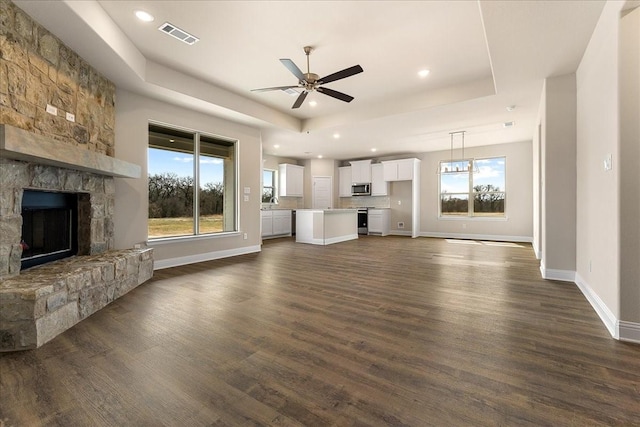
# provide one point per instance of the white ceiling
(483, 56)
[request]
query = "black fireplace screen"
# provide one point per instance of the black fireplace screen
(49, 227)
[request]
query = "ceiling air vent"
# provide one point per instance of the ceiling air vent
(508, 124)
(176, 32)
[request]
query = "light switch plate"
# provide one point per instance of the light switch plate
(247, 190)
(608, 163)
(71, 117)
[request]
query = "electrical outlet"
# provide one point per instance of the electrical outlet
(52, 110)
(246, 198)
(245, 236)
(71, 117)
(399, 202)
(401, 225)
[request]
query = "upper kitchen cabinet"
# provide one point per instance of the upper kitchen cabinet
(291, 180)
(344, 179)
(361, 171)
(379, 187)
(398, 170)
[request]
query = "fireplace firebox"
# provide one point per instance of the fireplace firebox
(49, 227)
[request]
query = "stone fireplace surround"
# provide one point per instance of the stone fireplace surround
(42, 302)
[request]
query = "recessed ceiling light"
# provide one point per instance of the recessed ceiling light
(319, 156)
(423, 73)
(373, 150)
(172, 141)
(511, 107)
(313, 103)
(276, 146)
(144, 16)
(336, 135)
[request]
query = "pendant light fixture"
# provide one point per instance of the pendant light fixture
(459, 165)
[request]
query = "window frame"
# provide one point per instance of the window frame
(196, 234)
(274, 187)
(471, 214)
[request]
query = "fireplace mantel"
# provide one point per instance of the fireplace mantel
(19, 144)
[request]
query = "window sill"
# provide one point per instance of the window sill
(179, 239)
(472, 218)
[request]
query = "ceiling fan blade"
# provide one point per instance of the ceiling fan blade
(291, 66)
(335, 94)
(300, 100)
(347, 72)
(265, 89)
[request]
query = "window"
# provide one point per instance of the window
(188, 198)
(269, 189)
(473, 188)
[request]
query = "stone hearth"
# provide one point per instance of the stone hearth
(45, 301)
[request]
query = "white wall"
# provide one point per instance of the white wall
(629, 75)
(558, 159)
(597, 221)
(133, 113)
(519, 202)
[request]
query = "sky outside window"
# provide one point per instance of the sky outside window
(162, 161)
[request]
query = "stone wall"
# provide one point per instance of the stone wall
(37, 69)
(95, 207)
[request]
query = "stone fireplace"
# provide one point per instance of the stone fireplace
(39, 303)
(57, 119)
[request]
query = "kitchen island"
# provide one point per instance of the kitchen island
(326, 226)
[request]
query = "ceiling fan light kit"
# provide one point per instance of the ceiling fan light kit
(310, 82)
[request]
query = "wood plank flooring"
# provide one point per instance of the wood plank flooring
(380, 331)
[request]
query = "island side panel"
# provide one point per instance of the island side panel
(340, 226)
(307, 221)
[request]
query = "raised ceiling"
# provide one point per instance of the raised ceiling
(483, 57)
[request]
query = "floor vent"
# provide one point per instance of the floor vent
(176, 32)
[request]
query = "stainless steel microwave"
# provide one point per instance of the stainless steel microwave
(361, 189)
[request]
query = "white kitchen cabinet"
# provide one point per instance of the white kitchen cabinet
(276, 223)
(379, 221)
(398, 170)
(361, 171)
(379, 187)
(267, 223)
(291, 180)
(344, 181)
(281, 222)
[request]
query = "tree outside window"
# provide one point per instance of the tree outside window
(482, 181)
(188, 197)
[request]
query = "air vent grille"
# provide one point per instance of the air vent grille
(178, 33)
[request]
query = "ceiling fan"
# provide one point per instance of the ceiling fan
(309, 81)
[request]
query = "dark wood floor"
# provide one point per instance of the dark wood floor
(378, 331)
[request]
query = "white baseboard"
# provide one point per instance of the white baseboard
(629, 331)
(332, 240)
(553, 274)
(607, 317)
(192, 259)
(400, 233)
(490, 237)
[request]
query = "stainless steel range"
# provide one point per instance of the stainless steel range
(363, 220)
